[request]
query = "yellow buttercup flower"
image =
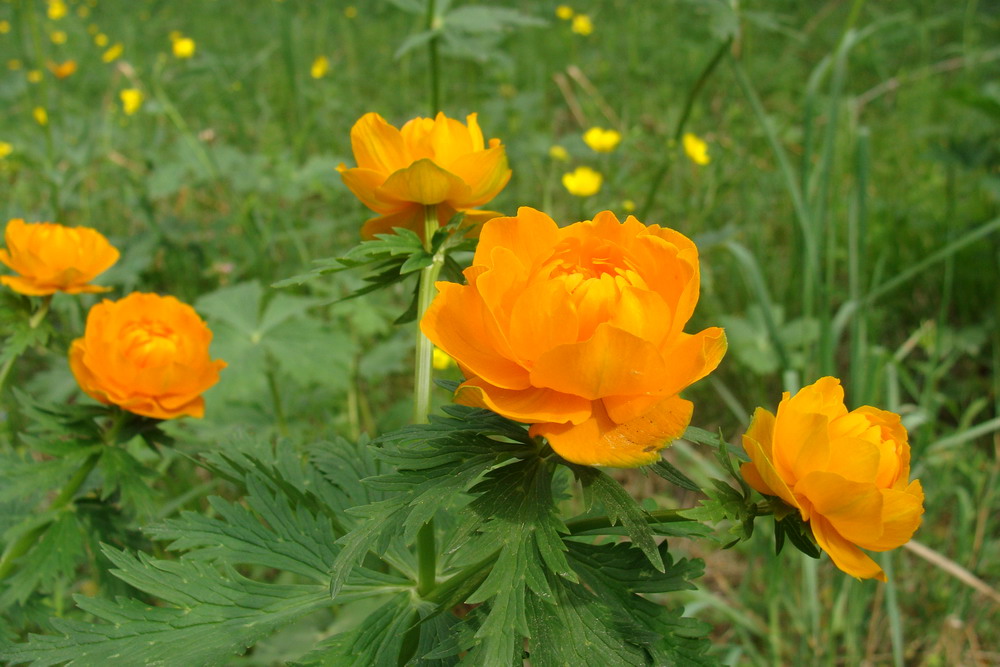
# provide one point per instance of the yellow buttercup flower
(601, 140)
(57, 9)
(320, 66)
(847, 473)
(579, 331)
(147, 354)
(558, 153)
(695, 148)
(113, 53)
(4, 27)
(628, 206)
(101, 40)
(132, 99)
(52, 258)
(582, 182)
(438, 162)
(58, 36)
(40, 115)
(34, 75)
(564, 12)
(350, 11)
(5, 149)
(582, 25)
(184, 47)
(440, 359)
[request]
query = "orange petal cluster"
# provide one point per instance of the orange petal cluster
(52, 258)
(428, 162)
(846, 472)
(147, 354)
(579, 331)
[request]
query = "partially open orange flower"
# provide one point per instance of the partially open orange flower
(846, 472)
(147, 354)
(53, 258)
(580, 332)
(428, 162)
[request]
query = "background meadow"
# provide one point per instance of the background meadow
(847, 221)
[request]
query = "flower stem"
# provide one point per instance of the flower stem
(594, 523)
(432, 50)
(422, 380)
(33, 323)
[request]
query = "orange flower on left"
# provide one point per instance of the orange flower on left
(50, 258)
(428, 162)
(147, 354)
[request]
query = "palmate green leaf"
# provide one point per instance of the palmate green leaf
(621, 507)
(669, 472)
(375, 642)
(211, 616)
(124, 474)
(54, 558)
(23, 337)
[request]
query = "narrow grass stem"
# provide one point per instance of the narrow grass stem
(36, 319)
(578, 526)
(668, 156)
(434, 59)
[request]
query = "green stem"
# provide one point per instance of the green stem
(594, 523)
(33, 323)
(28, 539)
(422, 380)
(427, 563)
(668, 156)
(432, 50)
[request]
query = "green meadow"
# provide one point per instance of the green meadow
(848, 224)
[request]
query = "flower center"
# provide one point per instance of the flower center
(149, 343)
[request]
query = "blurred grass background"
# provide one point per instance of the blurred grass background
(847, 223)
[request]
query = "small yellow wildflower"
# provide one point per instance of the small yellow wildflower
(695, 148)
(93, 29)
(58, 36)
(628, 206)
(62, 70)
(14, 64)
(34, 75)
(319, 67)
(113, 53)
(350, 11)
(582, 25)
(5, 149)
(601, 140)
(132, 99)
(558, 153)
(41, 116)
(83, 11)
(564, 12)
(582, 182)
(57, 9)
(440, 359)
(101, 40)
(184, 47)
(4, 27)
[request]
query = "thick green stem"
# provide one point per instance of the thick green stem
(33, 323)
(427, 564)
(422, 380)
(28, 539)
(594, 523)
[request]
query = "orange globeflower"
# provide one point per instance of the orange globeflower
(428, 162)
(52, 258)
(147, 354)
(846, 472)
(579, 331)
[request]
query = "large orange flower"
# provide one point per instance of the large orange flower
(428, 162)
(846, 472)
(52, 258)
(147, 354)
(580, 332)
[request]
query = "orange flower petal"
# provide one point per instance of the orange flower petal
(378, 146)
(486, 173)
(600, 441)
(854, 509)
(902, 513)
(524, 405)
(759, 452)
(425, 183)
(843, 553)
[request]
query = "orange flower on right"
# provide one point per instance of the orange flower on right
(846, 472)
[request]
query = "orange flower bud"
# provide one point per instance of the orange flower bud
(52, 258)
(147, 354)
(846, 472)
(428, 162)
(579, 331)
